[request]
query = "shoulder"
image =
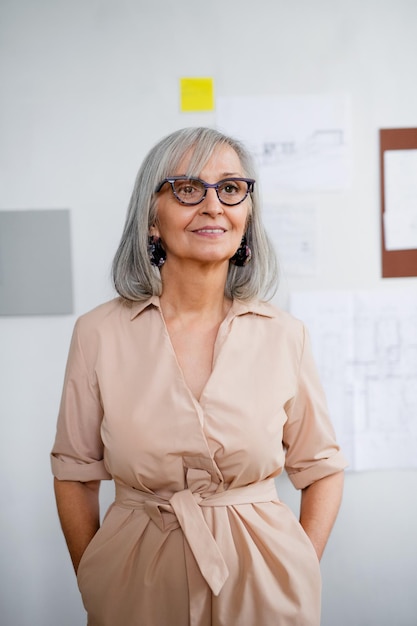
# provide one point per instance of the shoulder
(273, 326)
(103, 311)
(104, 325)
(274, 316)
(106, 320)
(97, 316)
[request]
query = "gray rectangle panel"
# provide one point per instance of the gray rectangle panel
(35, 262)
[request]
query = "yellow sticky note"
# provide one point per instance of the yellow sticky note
(197, 94)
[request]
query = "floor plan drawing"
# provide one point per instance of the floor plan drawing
(365, 345)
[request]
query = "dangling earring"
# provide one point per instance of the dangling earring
(157, 254)
(243, 254)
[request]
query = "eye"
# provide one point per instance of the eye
(230, 187)
(187, 187)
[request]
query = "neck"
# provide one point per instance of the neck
(194, 291)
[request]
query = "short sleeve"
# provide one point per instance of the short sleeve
(312, 451)
(77, 453)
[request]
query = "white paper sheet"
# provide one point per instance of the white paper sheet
(400, 229)
(293, 230)
(365, 344)
(400, 190)
(300, 142)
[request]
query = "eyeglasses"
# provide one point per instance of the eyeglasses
(192, 191)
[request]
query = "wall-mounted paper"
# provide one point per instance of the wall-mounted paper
(365, 345)
(293, 230)
(197, 94)
(35, 263)
(300, 143)
(400, 191)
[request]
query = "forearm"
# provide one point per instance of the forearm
(320, 504)
(78, 510)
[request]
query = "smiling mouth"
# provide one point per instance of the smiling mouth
(211, 231)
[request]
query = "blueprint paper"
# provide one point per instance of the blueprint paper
(300, 143)
(365, 345)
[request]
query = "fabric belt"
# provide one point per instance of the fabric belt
(183, 510)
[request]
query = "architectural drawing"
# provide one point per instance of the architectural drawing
(365, 345)
(300, 143)
(318, 144)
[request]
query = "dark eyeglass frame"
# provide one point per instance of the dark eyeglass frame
(172, 179)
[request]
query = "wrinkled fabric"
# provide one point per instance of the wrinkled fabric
(197, 535)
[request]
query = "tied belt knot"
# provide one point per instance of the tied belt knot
(183, 510)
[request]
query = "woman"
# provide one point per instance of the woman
(192, 394)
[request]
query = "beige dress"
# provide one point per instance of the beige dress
(197, 535)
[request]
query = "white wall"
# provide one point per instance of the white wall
(87, 87)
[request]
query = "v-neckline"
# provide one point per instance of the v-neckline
(221, 335)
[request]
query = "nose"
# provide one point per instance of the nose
(211, 204)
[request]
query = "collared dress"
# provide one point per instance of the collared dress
(197, 535)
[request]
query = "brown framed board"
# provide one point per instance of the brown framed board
(398, 166)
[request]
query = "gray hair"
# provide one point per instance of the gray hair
(133, 275)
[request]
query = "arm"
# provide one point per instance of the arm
(78, 510)
(320, 504)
